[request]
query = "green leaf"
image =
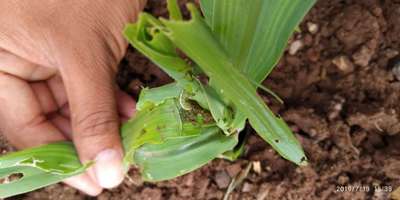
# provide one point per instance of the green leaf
(221, 113)
(156, 96)
(152, 125)
(163, 134)
(161, 117)
(158, 108)
(40, 166)
(197, 41)
(179, 156)
(146, 37)
(174, 10)
(254, 34)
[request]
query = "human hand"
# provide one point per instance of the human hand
(58, 60)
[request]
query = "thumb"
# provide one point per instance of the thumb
(91, 94)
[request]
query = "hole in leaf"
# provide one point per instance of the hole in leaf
(277, 141)
(156, 31)
(11, 178)
(147, 34)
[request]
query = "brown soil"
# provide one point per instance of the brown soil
(341, 97)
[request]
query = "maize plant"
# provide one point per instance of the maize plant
(218, 59)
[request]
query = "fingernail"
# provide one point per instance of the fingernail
(108, 168)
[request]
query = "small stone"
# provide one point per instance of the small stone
(391, 53)
(189, 180)
(295, 47)
(313, 55)
(336, 107)
(257, 167)
(396, 70)
(222, 179)
(312, 27)
(151, 194)
(343, 179)
(247, 187)
(343, 63)
(363, 56)
(234, 169)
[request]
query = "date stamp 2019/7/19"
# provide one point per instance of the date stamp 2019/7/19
(363, 188)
